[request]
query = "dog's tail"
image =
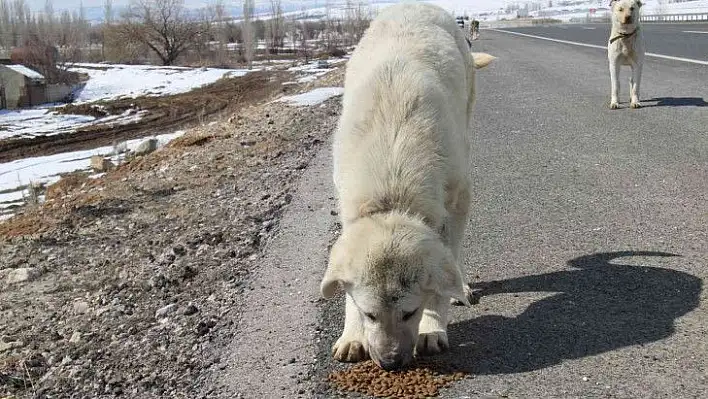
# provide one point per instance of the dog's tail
(481, 60)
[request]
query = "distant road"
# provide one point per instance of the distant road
(675, 40)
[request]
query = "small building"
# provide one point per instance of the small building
(21, 87)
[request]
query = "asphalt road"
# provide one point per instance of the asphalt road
(676, 40)
(576, 207)
(588, 241)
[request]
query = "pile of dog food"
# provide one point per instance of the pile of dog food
(422, 379)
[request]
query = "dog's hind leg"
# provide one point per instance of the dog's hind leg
(634, 83)
(455, 232)
(351, 346)
(614, 80)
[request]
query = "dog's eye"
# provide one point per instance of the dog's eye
(621, 9)
(407, 316)
(370, 316)
(631, 8)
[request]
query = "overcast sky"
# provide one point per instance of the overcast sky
(74, 4)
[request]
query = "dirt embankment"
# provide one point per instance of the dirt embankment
(162, 115)
(130, 285)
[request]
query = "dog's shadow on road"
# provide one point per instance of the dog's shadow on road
(599, 306)
(677, 102)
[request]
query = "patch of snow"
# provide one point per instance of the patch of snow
(48, 169)
(314, 97)
(23, 70)
(39, 121)
(111, 81)
(307, 79)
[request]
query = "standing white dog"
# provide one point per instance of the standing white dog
(625, 47)
(402, 173)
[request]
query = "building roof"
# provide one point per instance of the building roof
(23, 70)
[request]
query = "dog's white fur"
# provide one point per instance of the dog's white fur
(402, 173)
(625, 50)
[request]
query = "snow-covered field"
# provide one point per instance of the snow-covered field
(112, 82)
(109, 82)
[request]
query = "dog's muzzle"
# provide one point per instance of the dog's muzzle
(391, 361)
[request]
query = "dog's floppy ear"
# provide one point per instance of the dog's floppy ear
(338, 271)
(446, 280)
(481, 60)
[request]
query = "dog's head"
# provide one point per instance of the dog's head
(625, 12)
(391, 265)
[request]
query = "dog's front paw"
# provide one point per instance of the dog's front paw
(432, 343)
(349, 350)
(471, 295)
(635, 104)
(614, 105)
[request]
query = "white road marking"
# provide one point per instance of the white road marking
(695, 31)
(667, 57)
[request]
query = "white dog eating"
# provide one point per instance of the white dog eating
(402, 173)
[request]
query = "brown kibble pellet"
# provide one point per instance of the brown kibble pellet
(421, 380)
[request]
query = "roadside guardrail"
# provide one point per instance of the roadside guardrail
(693, 17)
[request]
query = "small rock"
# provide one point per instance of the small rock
(166, 258)
(100, 164)
(22, 275)
(166, 310)
(81, 307)
(204, 326)
(6, 346)
(146, 147)
(75, 337)
(190, 310)
(179, 250)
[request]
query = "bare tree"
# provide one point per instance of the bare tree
(108, 12)
(106, 26)
(304, 37)
(276, 25)
(293, 33)
(222, 34)
(161, 25)
(247, 32)
(49, 28)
